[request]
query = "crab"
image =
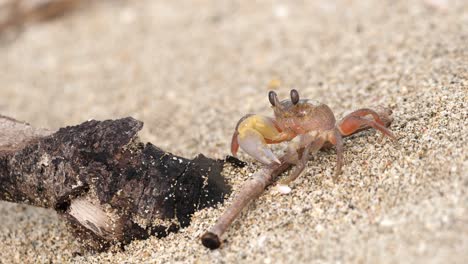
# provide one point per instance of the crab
(306, 124)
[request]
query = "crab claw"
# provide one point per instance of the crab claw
(253, 143)
(252, 134)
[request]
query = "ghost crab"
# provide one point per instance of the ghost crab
(307, 124)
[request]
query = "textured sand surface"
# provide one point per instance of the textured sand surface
(191, 69)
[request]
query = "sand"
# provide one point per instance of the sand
(191, 69)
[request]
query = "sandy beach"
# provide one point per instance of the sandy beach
(190, 69)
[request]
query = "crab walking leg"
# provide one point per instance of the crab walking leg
(352, 124)
(339, 153)
(310, 149)
(356, 121)
(364, 112)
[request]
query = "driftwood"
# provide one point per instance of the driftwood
(109, 186)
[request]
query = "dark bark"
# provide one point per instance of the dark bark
(110, 186)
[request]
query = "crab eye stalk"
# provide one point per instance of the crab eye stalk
(272, 97)
(294, 96)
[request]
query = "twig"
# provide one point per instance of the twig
(250, 190)
(254, 187)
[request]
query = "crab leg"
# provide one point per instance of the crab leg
(356, 121)
(309, 149)
(338, 142)
(364, 112)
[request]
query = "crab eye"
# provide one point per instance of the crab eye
(294, 96)
(272, 97)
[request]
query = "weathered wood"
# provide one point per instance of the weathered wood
(100, 177)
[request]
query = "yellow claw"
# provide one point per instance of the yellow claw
(251, 135)
(262, 124)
